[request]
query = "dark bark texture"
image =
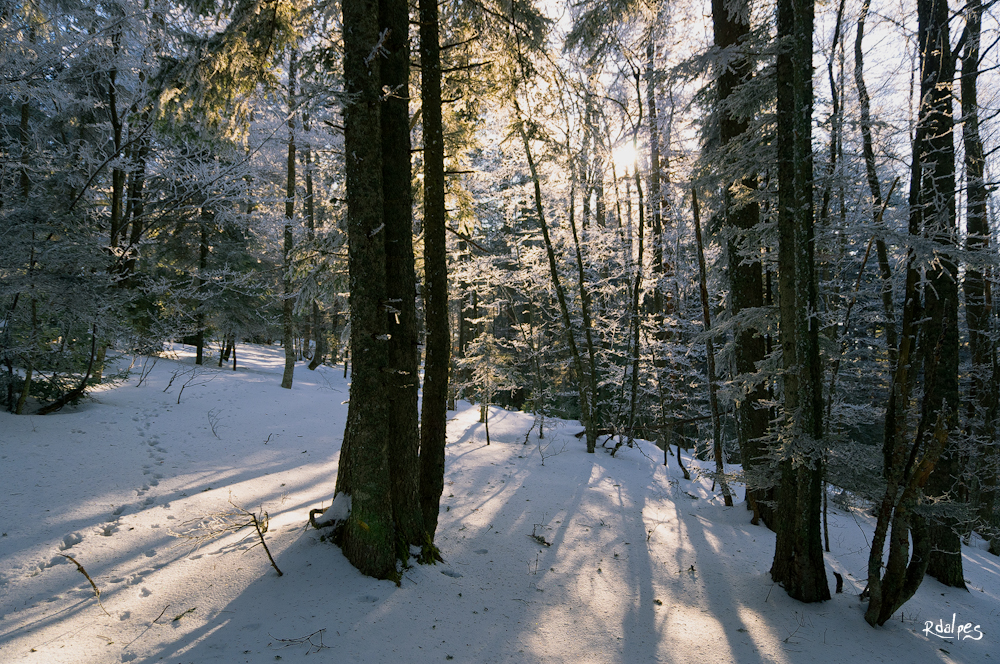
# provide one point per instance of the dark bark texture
(434, 407)
(936, 207)
(401, 287)
(369, 534)
(798, 556)
(744, 272)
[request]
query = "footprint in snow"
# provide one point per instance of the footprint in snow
(145, 592)
(149, 501)
(120, 510)
(481, 551)
(452, 573)
(70, 541)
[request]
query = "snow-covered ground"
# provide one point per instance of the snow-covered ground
(642, 566)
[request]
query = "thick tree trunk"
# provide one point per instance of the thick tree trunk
(978, 307)
(798, 555)
(434, 408)
(941, 339)
(745, 274)
(401, 284)
(369, 535)
(288, 303)
(909, 465)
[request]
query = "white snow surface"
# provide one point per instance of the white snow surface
(643, 566)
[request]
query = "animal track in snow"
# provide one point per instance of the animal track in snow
(42, 566)
(70, 541)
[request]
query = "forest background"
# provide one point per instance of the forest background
(763, 232)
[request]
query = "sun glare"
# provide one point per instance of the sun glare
(624, 156)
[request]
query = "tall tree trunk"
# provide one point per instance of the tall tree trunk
(582, 392)
(706, 316)
(287, 288)
(744, 273)
(309, 203)
(978, 308)
(369, 534)
(117, 184)
(662, 304)
(206, 218)
(25, 182)
(798, 554)
(585, 307)
(873, 185)
(937, 208)
(434, 408)
(401, 284)
(636, 314)
(909, 465)
(117, 173)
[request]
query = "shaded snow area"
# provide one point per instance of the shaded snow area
(582, 558)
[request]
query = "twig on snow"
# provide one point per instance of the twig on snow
(93, 585)
(213, 526)
(148, 627)
(302, 640)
